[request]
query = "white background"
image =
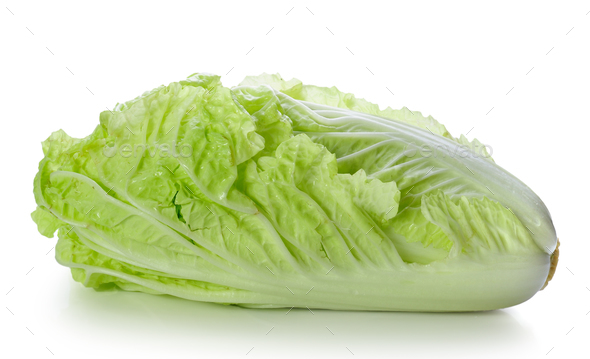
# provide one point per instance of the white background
(527, 62)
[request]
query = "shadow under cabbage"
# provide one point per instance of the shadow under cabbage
(164, 318)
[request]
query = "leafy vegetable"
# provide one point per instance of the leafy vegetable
(279, 194)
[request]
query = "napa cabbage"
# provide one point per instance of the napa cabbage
(278, 194)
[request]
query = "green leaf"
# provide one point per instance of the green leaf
(47, 223)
